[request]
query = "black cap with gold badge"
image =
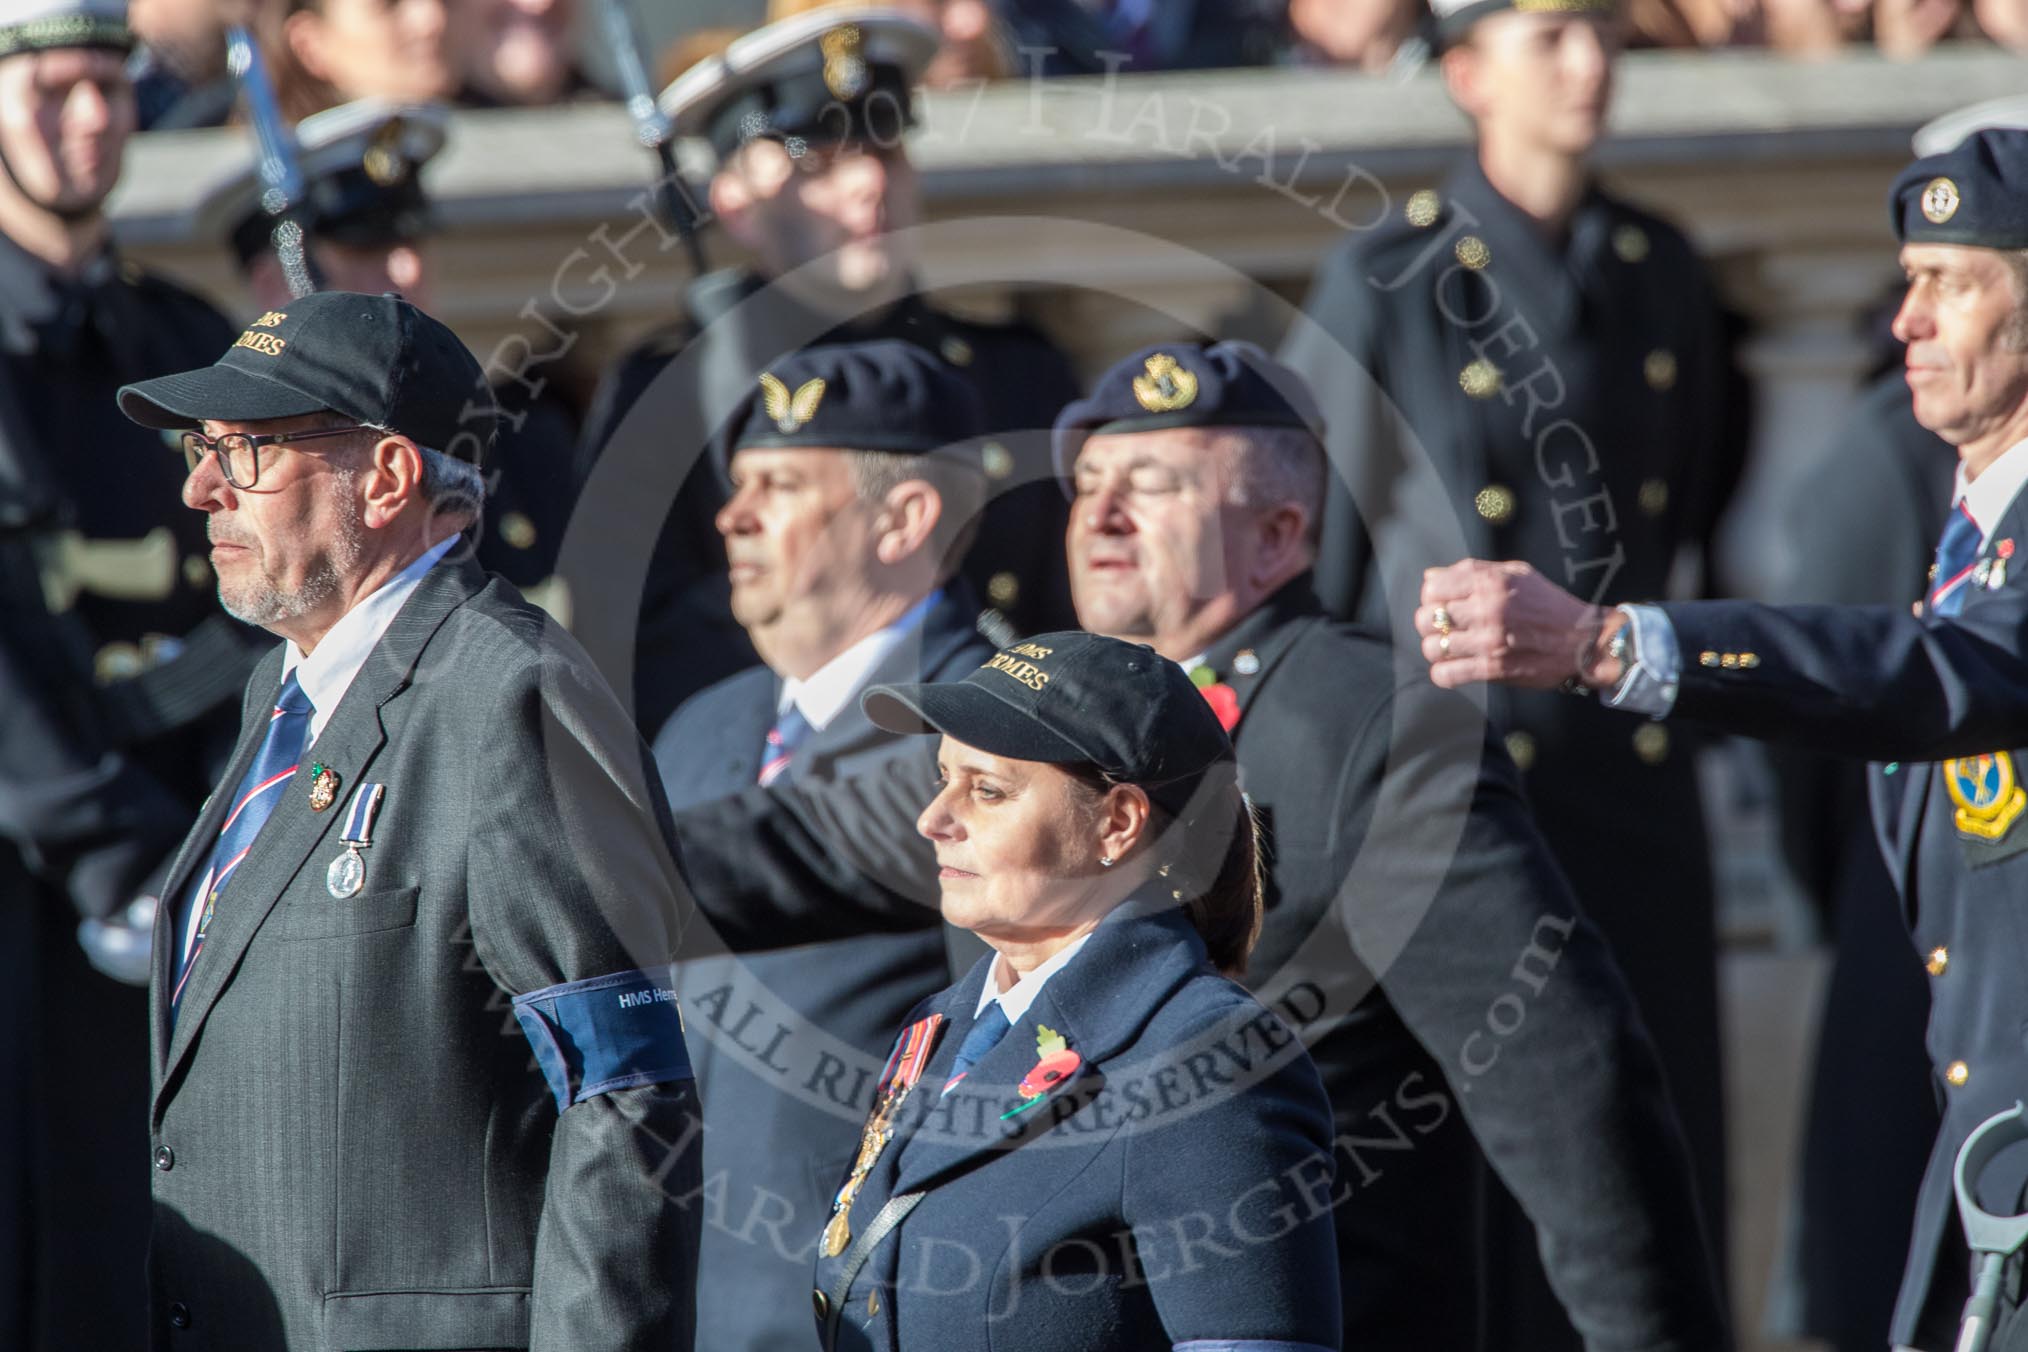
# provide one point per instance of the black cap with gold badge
(1189, 384)
(880, 395)
(1975, 193)
(833, 74)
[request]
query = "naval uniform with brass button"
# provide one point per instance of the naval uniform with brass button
(1862, 531)
(118, 682)
(1570, 399)
(1938, 704)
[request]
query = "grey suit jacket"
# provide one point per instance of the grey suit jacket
(351, 1146)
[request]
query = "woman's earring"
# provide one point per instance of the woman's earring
(1105, 861)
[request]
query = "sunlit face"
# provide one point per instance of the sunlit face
(282, 547)
(391, 49)
(1543, 80)
(513, 51)
(1153, 541)
(798, 538)
(1965, 321)
(65, 116)
(346, 267)
(1018, 844)
(833, 207)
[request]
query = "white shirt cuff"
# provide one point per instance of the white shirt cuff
(1655, 666)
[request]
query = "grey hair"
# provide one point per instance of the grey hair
(1276, 465)
(448, 483)
(2015, 334)
(875, 474)
(451, 484)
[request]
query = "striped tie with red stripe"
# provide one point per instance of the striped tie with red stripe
(266, 780)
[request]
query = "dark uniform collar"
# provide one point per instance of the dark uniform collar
(1548, 277)
(42, 309)
(716, 294)
(1250, 649)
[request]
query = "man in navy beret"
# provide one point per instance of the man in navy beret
(1936, 699)
(1411, 896)
(856, 478)
(809, 120)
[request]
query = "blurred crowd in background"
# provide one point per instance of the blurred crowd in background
(528, 53)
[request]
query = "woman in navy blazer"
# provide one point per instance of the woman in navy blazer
(1097, 1139)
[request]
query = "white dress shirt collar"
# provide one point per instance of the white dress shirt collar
(832, 687)
(327, 673)
(1987, 497)
(1015, 1001)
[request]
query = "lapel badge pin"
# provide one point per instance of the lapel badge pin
(323, 786)
(1057, 1064)
(347, 873)
(1246, 662)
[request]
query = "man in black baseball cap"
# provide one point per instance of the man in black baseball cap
(435, 787)
(287, 436)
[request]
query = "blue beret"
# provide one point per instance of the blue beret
(883, 395)
(1974, 193)
(1191, 384)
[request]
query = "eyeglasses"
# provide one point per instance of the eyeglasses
(239, 453)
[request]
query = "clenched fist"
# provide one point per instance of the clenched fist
(1483, 621)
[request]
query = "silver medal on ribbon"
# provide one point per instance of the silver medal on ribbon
(347, 873)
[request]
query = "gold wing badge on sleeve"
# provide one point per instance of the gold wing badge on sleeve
(790, 411)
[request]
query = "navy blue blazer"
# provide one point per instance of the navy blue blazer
(1910, 692)
(1174, 1190)
(786, 1044)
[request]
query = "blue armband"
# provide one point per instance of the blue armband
(609, 1032)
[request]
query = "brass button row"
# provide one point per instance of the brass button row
(1729, 661)
(1650, 743)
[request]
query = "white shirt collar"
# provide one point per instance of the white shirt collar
(1987, 497)
(832, 687)
(327, 673)
(1015, 1002)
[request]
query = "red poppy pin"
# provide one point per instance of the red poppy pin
(1222, 698)
(1057, 1064)
(2005, 549)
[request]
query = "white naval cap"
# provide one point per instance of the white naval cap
(362, 178)
(1944, 133)
(840, 72)
(37, 25)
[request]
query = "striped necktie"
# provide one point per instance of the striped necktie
(260, 790)
(788, 733)
(1957, 554)
(985, 1034)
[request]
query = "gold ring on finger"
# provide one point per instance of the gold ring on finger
(1440, 620)
(1444, 644)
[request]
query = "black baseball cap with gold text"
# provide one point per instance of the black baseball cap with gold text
(375, 359)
